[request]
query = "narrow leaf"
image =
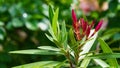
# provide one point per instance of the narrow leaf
(85, 63)
(55, 22)
(109, 33)
(51, 13)
(102, 63)
(86, 48)
(106, 55)
(41, 64)
(71, 37)
(51, 32)
(35, 52)
(61, 64)
(64, 35)
(106, 49)
(49, 48)
(49, 37)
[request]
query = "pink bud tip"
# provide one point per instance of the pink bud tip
(74, 16)
(99, 25)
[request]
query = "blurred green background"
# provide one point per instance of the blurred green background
(23, 24)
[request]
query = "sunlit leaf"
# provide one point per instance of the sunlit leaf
(41, 64)
(106, 49)
(85, 62)
(31, 25)
(51, 32)
(86, 48)
(49, 48)
(106, 55)
(35, 52)
(55, 22)
(61, 64)
(102, 63)
(49, 37)
(57, 43)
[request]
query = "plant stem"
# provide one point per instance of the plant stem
(69, 60)
(76, 58)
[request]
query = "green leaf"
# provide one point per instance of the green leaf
(109, 33)
(86, 48)
(41, 64)
(106, 55)
(63, 35)
(63, 32)
(51, 13)
(106, 49)
(55, 22)
(49, 48)
(51, 32)
(17, 23)
(113, 5)
(37, 16)
(12, 10)
(49, 37)
(72, 38)
(36, 52)
(85, 62)
(61, 64)
(31, 25)
(107, 36)
(57, 43)
(9, 25)
(112, 31)
(102, 63)
(2, 23)
(3, 8)
(2, 33)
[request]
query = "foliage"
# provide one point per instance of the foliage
(77, 53)
(20, 30)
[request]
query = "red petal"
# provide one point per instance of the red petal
(74, 16)
(99, 25)
(88, 31)
(84, 24)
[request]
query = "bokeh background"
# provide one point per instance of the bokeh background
(23, 24)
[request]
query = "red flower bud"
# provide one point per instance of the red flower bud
(92, 24)
(76, 25)
(84, 24)
(77, 33)
(99, 25)
(74, 18)
(88, 31)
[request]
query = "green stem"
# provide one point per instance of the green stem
(69, 60)
(76, 58)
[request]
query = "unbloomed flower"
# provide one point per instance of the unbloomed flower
(99, 25)
(84, 26)
(76, 25)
